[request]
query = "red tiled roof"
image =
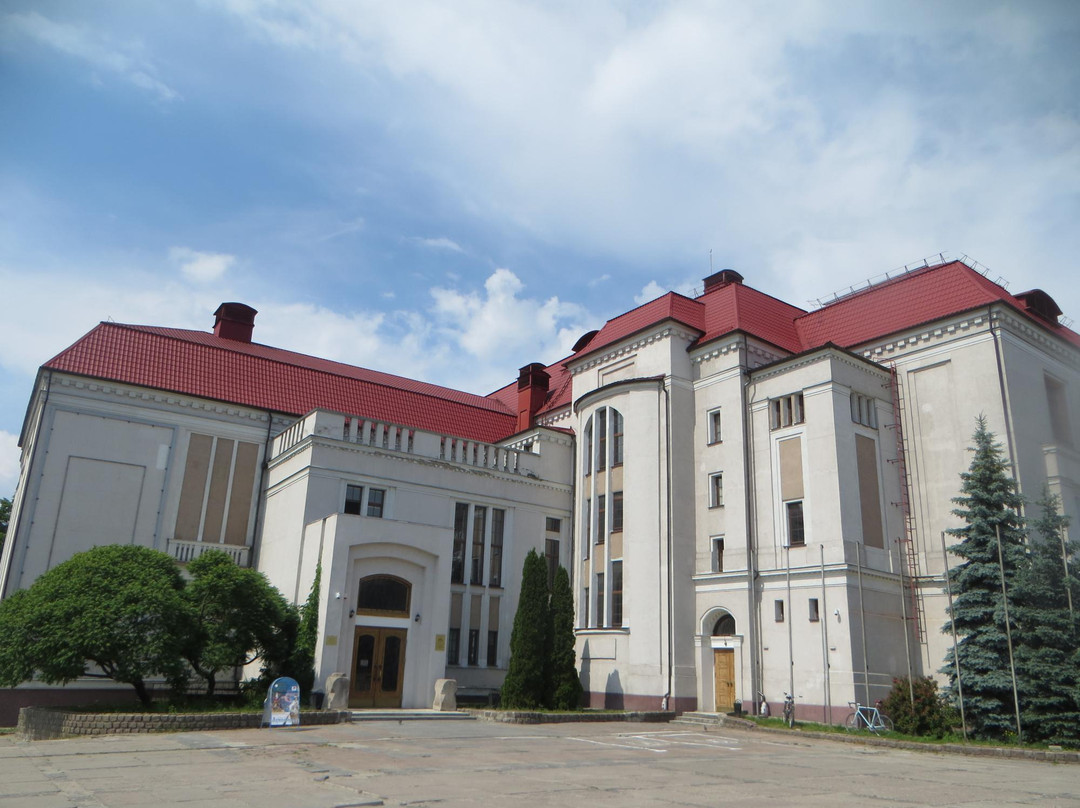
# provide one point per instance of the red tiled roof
(248, 374)
(736, 307)
(559, 392)
(906, 302)
(671, 306)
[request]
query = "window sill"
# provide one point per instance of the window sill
(716, 507)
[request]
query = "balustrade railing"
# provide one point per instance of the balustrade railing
(185, 551)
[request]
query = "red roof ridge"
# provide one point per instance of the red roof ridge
(176, 334)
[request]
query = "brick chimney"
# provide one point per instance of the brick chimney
(722, 278)
(532, 393)
(234, 321)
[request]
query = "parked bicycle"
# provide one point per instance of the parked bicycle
(870, 718)
(789, 709)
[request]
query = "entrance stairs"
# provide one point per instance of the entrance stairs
(409, 715)
(704, 720)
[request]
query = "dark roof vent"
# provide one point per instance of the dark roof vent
(584, 340)
(234, 321)
(722, 278)
(1040, 304)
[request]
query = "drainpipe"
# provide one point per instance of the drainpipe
(751, 556)
(255, 544)
(670, 564)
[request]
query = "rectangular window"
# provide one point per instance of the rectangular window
(461, 524)
(599, 618)
(814, 614)
(453, 646)
(601, 518)
(551, 554)
(479, 526)
(474, 646)
(716, 490)
(715, 434)
(786, 411)
(588, 528)
(498, 527)
(616, 438)
(863, 410)
(375, 499)
(354, 495)
(493, 649)
(778, 611)
(553, 525)
(717, 555)
(601, 440)
(616, 594)
(616, 511)
(585, 606)
(796, 533)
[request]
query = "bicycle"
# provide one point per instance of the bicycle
(870, 718)
(789, 710)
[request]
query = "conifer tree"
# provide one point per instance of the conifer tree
(988, 501)
(1048, 636)
(565, 687)
(525, 686)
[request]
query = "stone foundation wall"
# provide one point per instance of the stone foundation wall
(41, 724)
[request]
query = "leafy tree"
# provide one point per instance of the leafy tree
(988, 501)
(302, 660)
(119, 607)
(565, 686)
(5, 519)
(237, 617)
(1048, 638)
(931, 714)
(525, 685)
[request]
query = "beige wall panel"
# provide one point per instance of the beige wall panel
(493, 614)
(236, 528)
(219, 489)
(869, 490)
(99, 504)
(191, 493)
(455, 610)
(474, 611)
(791, 476)
(615, 544)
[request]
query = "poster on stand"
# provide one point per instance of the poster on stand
(282, 705)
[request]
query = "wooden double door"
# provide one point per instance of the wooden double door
(724, 673)
(378, 667)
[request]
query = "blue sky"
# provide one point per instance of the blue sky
(452, 190)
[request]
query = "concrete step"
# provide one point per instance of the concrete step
(409, 715)
(699, 719)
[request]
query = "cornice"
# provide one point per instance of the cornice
(555, 416)
(641, 341)
(814, 357)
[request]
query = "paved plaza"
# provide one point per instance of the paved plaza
(472, 763)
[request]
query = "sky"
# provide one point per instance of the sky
(449, 191)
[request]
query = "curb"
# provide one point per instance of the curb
(528, 717)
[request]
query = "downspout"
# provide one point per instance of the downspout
(670, 563)
(660, 529)
(751, 557)
(255, 543)
(13, 528)
(1006, 409)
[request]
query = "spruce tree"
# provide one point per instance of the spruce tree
(1048, 635)
(565, 687)
(525, 686)
(988, 501)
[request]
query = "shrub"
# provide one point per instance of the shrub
(931, 714)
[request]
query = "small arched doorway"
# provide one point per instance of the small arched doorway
(724, 690)
(378, 663)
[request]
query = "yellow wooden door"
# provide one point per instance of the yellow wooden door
(724, 673)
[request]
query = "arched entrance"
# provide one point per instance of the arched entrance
(378, 662)
(724, 689)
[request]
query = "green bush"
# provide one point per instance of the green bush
(931, 714)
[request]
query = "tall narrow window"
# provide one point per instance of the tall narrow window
(718, 555)
(376, 497)
(616, 594)
(587, 452)
(601, 439)
(498, 527)
(453, 646)
(585, 606)
(588, 529)
(616, 511)
(616, 438)
(715, 433)
(461, 525)
(551, 553)
(796, 532)
(354, 496)
(479, 526)
(786, 411)
(599, 619)
(778, 611)
(493, 648)
(601, 518)
(815, 615)
(716, 490)
(474, 646)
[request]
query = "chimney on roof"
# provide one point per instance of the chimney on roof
(722, 278)
(234, 321)
(533, 383)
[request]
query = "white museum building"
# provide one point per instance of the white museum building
(750, 497)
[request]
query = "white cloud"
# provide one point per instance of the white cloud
(651, 291)
(201, 267)
(597, 281)
(441, 243)
(9, 463)
(92, 48)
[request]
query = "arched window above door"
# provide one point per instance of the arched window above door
(724, 626)
(383, 594)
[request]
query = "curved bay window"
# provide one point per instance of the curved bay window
(383, 595)
(603, 519)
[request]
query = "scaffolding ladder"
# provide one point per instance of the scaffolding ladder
(910, 572)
